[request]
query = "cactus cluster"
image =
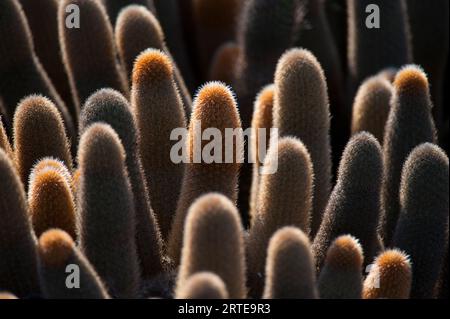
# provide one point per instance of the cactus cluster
(212, 149)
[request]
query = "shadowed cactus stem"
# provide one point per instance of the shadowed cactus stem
(89, 52)
(42, 17)
(369, 50)
(18, 263)
(223, 63)
(284, 199)
(38, 133)
(213, 241)
(57, 253)
(203, 285)
(371, 106)
(22, 72)
(110, 107)
(106, 209)
(354, 205)
(422, 228)
(215, 23)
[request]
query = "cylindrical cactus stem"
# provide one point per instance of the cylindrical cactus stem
(18, 262)
(262, 46)
(314, 34)
(223, 63)
(215, 23)
(372, 47)
(422, 228)
(50, 200)
(284, 199)
(301, 110)
(115, 7)
(213, 241)
(354, 205)
(389, 276)
(42, 17)
(203, 285)
(341, 276)
(290, 267)
(110, 107)
(262, 122)
(22, 72)
(38, 133)
(409, 124)
(429, 36)
(4, 141)
(106, 209)
(89, 53)
(64, 272)
(138, 29)
(214, 108)
(158, 111)
(371, 106)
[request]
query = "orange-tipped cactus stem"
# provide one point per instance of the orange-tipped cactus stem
(50, 200)
(138, 29)
(158, 111)
(214, 107)
(262, 122)
(341, 276)
(409, 124)
(59, 258)
(389, 277)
